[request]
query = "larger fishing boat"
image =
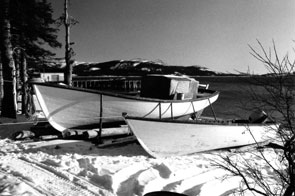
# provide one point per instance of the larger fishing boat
(161, 97)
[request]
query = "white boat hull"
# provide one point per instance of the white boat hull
(166, 138)
(67, 108)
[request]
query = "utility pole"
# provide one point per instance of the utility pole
(67, 21)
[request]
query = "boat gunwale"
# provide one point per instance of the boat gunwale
(213, 93)
(211, 122)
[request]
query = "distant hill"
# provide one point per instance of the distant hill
(128, 68)
(138, 68)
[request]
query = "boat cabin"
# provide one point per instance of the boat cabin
(169, 87)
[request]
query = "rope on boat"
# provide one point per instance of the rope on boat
(152, 110)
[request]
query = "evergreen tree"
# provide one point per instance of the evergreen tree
(34, 29)
(9, 98)
(32, 32)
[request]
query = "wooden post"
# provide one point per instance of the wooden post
(100, 120)
(171, 110)
(193, 107)
(193, 116)
(160, 111)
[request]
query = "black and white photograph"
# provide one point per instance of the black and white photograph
(147, 98)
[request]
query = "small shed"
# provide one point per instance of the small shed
(168, 87)
(52, 76)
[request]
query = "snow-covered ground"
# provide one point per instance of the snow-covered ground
(75, 167)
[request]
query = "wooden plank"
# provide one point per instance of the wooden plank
(106, 132)
(116, 142)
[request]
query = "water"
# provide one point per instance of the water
(234, 100)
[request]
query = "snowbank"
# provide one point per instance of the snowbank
(72, 167)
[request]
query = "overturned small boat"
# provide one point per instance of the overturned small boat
(161, 97)
(164, 138)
